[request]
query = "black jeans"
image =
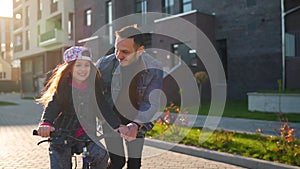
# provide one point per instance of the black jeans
(116, 150)
(60, 156)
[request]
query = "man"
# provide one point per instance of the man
(131, 79)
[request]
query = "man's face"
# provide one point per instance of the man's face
(126, 52)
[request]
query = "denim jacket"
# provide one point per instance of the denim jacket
(149, 84)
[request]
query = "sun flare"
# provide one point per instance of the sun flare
(6, 8)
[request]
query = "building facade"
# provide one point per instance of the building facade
(247, 34)
(9, 68)
(42, 31)
(6, 27)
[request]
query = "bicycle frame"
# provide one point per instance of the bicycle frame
(61, 137)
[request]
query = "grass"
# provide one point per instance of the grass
(239, 109)
(278, 149)
(4, 103)
(283, 148)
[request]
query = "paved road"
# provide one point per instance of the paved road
(18, 149)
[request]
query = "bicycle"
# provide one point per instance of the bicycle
(62, 137)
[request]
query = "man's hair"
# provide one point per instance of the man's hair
(131, 31)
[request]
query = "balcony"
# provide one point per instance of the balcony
(53, 37)
(18, 48)
(17, 3)
(17, 24)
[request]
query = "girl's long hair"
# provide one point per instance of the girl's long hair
(59, 82)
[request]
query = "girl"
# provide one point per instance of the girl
(72, 100)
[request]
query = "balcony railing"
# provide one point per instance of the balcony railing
(16, 4)
(17, 24)
(52, 37)
(18, 48)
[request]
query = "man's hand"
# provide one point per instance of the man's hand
(44, 130)
(128, 132)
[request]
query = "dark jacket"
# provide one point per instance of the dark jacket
(82, 107)
(150, 77)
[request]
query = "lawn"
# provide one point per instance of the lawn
(4, 103)
(282, 149)
(239, 109)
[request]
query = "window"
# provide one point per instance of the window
(177, 56)
(88, 17)
(2, 75)
(18, 16)
(39, 9)
(221, 46)
(38, 32)
(3, 32)
(3, 50)
(186, 5)
(38, 69)
(109, 21)
(183, 53)
(251, 3)
(27, 15)
(140, 6)
(27, 66)
(27, 39)
(70, 26)
(290, 44)
(18, 42)
(53, 6)
(168, 6)
(108, 12)
(18, 20)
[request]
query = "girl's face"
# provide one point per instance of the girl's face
(81, 70)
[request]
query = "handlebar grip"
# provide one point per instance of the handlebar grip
(35, 133)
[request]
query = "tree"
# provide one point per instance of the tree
(201, 77)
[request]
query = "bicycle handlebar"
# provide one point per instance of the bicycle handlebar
(35, 133)
(60, 136)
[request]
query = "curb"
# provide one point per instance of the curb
(217, 156)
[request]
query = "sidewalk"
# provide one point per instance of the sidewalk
(19, 149)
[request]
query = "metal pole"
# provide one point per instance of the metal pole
(283, 43)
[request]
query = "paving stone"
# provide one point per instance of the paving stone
(19, 148)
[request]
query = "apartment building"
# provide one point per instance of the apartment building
(6, 27)
(9, 68)
(247, 34)
(43, 29)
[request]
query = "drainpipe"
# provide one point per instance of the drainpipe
(283, 43)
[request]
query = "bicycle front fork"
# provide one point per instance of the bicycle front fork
(85, 158)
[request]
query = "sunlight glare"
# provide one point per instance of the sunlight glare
(6, 8)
